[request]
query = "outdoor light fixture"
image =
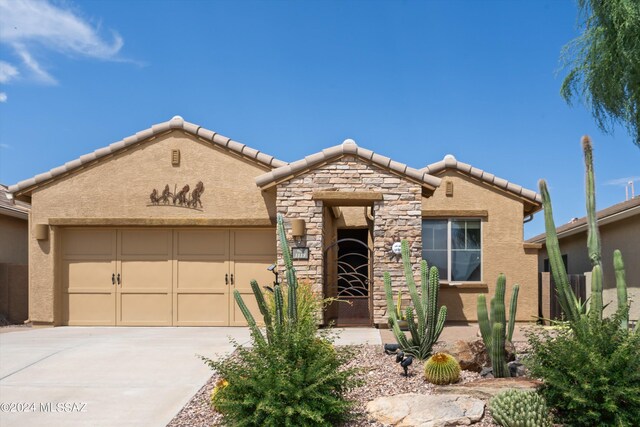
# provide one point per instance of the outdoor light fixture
(297, 229)
(272, 268)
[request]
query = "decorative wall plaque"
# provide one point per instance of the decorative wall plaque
(300, 253)
(180, 198)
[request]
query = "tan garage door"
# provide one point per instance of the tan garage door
(161, 277)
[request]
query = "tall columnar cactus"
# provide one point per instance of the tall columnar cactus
(424, 333)
(494, 329)
(275, 327)
(566, 297)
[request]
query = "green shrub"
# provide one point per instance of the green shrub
(591, 372)
(519, 408)
(293, 376)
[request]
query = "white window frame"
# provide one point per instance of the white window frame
(449, 250)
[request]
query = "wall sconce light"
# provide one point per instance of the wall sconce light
(41, 231)
(297, 229)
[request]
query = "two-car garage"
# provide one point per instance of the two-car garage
(161, 276)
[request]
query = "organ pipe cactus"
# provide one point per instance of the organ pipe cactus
(494, 329)
(566, 296)
(276, 325)
(425, 332)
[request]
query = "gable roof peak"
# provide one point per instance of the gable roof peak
(176, 123)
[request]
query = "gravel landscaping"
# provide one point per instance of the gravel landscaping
(381, 375)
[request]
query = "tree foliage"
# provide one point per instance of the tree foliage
(604, 63)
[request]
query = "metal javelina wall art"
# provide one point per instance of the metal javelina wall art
(180, 198)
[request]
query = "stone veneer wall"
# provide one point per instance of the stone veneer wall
(398, 214)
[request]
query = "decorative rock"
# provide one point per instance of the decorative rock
(517, 369)
(487, 372)
(417, 410)
(472, 355)
(489, 387)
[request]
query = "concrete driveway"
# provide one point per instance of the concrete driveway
(104, 376)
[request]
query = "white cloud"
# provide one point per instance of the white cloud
(3, 97)
(7, 72)
(25, 24)
(622, 181)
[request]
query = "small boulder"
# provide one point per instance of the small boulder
(473, 356)
(517, 369)
(417, 410)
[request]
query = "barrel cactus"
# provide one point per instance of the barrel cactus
(442, 368)
(519, 408)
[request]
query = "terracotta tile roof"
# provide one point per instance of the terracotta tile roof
(348, 147)
(450, 162)
(11, 207)
(607, 215)
(175, 123)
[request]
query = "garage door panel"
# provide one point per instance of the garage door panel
(146, 274)
(246, 271)
(145, 309)
(87, 274)
(254, 242)
(89, 309)
(200, 309)
(88, 242)
(87, 265)
(145, 242)
(202, 274)
(203, 242)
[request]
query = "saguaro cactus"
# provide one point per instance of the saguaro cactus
(425, 333)
(566, 297)
(277, 326)
(494, 329)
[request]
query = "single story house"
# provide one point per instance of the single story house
(14, 257)
(619, 229)
(160, 227)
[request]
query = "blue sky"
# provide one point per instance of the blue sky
(410, 80)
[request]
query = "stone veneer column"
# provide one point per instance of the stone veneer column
(398, 214)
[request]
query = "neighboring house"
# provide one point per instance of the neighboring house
(619, 229)
(14, 258)
(161, 227)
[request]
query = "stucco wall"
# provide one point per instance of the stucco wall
(624, 235)
(13, 240)
(397, 214)
(120, 187)
(502, 246)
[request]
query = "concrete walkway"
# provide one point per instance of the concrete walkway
(113, 376)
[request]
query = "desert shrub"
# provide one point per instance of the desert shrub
(591, 372)
(292, 375)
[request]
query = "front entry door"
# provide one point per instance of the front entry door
(347, 272)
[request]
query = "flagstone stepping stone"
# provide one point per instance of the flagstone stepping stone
(419, 410)
(488, 387)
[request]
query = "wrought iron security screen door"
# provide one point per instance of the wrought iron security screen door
(347, 278)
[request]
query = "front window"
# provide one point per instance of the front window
(454, 246)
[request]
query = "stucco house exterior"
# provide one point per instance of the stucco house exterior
(14, 258)
(160, 227)
(619, 227)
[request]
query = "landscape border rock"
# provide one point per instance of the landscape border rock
(419, 410)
